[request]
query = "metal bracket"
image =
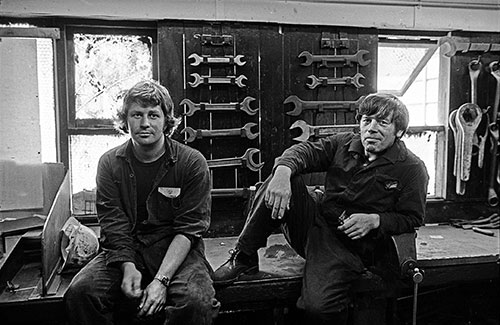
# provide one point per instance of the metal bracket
(215, 40)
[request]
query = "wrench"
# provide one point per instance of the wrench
(324, 81)
(345, 59)
(474, 70)
(457, 46)
(246, 161)
(207, 59)
(243, 106)
(245, 131)
(208, 80)
(468, 118)
(457, 163)
(320, 105)
(320, 131)
(494, 136)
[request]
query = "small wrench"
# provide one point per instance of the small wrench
(243, 106)
(320, 131)
(345, 59)
(344, 81)
(320, 105)
(246, 160)
(208, 59)
(245, 131)
(474, 70)
(208, 80)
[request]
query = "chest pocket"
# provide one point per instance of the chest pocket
(168, 201)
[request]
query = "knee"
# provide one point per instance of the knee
(79, 290)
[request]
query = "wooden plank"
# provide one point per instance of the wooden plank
(34, 32)
(447, 245)
(51, 234)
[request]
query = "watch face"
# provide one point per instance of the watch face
(164, 280)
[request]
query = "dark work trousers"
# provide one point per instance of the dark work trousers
(331, 266)
(95, 296)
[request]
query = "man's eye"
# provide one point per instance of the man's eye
(366, 121)
(384, 123)
(154, 116)
(136, 115)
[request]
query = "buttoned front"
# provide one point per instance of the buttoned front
(186, 210)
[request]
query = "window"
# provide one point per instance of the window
(102, 64)
(410, 69)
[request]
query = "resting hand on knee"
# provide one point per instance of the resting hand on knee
(153, 299)
(131, 281)
(278, 192)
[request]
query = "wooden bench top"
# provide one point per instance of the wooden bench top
(437, 247)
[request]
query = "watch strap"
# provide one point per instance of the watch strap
(163, 280)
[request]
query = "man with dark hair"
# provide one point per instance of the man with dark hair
(153, 205)
(374, 188)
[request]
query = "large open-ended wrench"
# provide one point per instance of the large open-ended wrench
(243, 106)
(494, 138)
(246, 161)
(343, 81)
(320, 105)
(245, 132)
(208, 59)
(468, 118)
(209, 80)
(342, 59)
(320, 131)
(455, 46)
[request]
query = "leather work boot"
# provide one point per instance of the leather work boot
(237, 265)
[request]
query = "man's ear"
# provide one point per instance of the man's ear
(399, 134)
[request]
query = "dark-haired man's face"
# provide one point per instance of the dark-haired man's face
(377, 134)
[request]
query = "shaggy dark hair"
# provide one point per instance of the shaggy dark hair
(383, 105)
(148, 93)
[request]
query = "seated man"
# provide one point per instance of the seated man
(153, 205)
(374, 188)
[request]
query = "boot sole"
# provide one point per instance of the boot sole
(251, 271)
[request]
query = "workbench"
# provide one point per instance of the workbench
(446, 254)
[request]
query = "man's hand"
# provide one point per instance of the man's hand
(279, 191)
(357, 225)
(131, 281)
(153, 300)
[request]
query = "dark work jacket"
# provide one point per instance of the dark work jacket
(179, 202)
(393, 186)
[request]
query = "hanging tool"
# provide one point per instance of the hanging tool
(309, 131)
(474, 71)
(245, 131)
(344, 81)
(494, 137)
(457, 45)
(243, 106)
(208, 59)
(246, 161)
(320, 105)
(209, 80)
(336, 60)
(468, 118)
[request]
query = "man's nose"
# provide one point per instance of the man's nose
(373, 126)
(144, 121)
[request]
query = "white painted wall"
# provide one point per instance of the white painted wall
(19, 110)
(471, 15)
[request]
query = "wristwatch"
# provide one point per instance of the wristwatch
(165, 280)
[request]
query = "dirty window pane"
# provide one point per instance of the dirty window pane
(424, 146)
(105, 66)
(85, 153)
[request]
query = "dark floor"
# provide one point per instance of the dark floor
(471, 304)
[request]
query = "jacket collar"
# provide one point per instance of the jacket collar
(171, 150)
(397, 152)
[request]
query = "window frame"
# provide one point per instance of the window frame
(97, 126)
(441, 130)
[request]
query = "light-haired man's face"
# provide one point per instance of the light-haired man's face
(145, 124)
